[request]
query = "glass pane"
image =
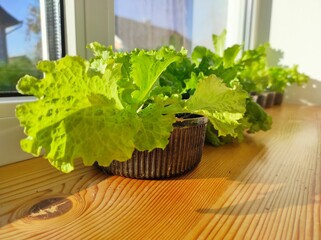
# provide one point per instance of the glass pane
(152, 23)
(20, 41)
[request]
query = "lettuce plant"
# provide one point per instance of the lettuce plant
(102, 109)
(183, 77)
(280, 77)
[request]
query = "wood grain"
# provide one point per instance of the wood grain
(268, 187)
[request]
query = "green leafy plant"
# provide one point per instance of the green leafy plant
(258, 76)
(251, 67)
(103, 109)
(225, 63)
(280, 77)
(255, 74)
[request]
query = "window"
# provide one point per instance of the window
(24, 40)
(150, 24)
(20, 42)
(74, 17)
(292, 28)
(21, 39)
(153, 23)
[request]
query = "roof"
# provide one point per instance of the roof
(6, 20)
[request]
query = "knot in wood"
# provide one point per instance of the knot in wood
(50, 208)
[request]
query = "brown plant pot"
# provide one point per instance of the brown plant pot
(270, 96)
(266, 99)
(261, 100)
(278, 99)
(183, 153)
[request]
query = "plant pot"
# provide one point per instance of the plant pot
(261, 99)
(266, 99)
(183, 153)
(278, 99)
(269, 99)
(254, 96)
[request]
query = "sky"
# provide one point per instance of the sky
(17, 42)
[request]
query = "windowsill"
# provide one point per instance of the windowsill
(10, 131)
(237, 190)
(8, 105)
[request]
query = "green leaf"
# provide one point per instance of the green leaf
(157, 123)
(176, 75)
(84, 118)
(215, 140)
(219, 43)
(192, 82)
(201, 54)
(222, 105)
(147, 66)
(256, 117)
(198, 54)
(212, 135)
(98, 133)
(230, 55)
(100, 50)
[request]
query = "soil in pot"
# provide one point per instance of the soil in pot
(183, 153)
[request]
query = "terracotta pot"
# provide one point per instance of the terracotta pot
(183, 153)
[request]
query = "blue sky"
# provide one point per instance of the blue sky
(17, 42)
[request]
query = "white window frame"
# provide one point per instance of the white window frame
(80, 16)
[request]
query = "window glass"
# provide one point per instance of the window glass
(20, 41)
(21, 38)
(150, 24)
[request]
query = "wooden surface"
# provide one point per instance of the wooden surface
(268, 187)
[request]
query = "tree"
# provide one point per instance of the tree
(34, 28)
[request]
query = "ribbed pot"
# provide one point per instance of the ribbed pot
(278, 98)
(270, 99)
(183, 153)
(261, 100)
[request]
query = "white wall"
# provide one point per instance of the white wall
(295, 28)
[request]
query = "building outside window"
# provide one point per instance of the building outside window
(150, 24)
(20, 42)
(21, 39)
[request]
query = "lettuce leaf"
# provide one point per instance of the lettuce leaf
(74, 113)
(145, 75)
(222, 105)
(256, 117)
(219, 43)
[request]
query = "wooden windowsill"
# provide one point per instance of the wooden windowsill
(268, 187)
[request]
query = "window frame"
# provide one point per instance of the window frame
(78, 16)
